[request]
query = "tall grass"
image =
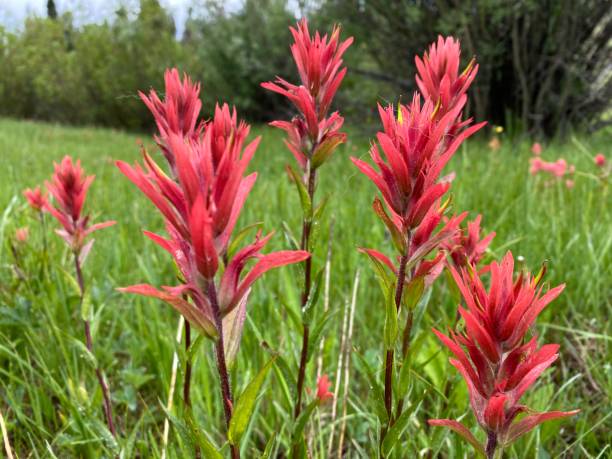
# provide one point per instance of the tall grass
(49, 398)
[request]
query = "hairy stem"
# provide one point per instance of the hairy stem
(108, 408)
(305, 245)
(226, 391)
(491, 449)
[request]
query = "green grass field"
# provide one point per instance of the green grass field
(49, 398)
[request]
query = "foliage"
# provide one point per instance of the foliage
(544, 65)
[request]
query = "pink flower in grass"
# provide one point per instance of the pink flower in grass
(600, 160)
(557, 169)
(313, 135)
(37, 199)
(22, 234)
(201, 201)
(536, 149)
(497, 359)
(569, 184)
(69, 187)
(323, 392)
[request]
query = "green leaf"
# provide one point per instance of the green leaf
(375, 396)
(209, 450)
(269, 447)
(180, 427)
(391, 328)
(240, 236)
(398, 428)
(243, 409)
(300, 423)
(413, 292)
(289, 236)
(383, 275)
(320, 209)
(72, 282)
(194, 346)
(313, 298)
(86, 308)
(304, 197)
(85, 353)
(317, 332)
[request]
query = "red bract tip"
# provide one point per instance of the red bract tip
(494, 356)
(69, 187)
(313, 135)
(439, 80)
(466, 247)
(36, 198)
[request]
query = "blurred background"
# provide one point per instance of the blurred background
(545, 66)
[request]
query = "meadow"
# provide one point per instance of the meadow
(49, 398)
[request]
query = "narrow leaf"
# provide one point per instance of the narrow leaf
(243, 408)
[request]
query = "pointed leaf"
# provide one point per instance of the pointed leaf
(303, 192)
(391, 328)
(461, 430)
(301, 421)
(398, 428)
(313, 297)
(243, 409)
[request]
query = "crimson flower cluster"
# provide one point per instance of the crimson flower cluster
(313, 135)
(465, 247)
(201, 203)
(69, 187)
(413, 148)
(494, 355)
(439, 80)
(37, 198)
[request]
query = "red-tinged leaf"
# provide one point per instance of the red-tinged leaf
(194, 315)
(394, 227)
(372, 175)
(266, 263)
(529, 422)
(459, 428)
(99, 226)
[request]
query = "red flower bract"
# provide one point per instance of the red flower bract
(37, 199)
(69, 187)
(439, 80)
(494, 356)
(201, 201)
(466, 247)
(415, 148)
(313, 135)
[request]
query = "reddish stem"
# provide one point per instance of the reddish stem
(226, 391)
(108, 408)
(305, 245)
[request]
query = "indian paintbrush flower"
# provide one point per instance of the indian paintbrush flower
(37, 198)
(494, 353)
(466, 247)
(313, 135)
(416, 143)
(69, 187)
(200, 201)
